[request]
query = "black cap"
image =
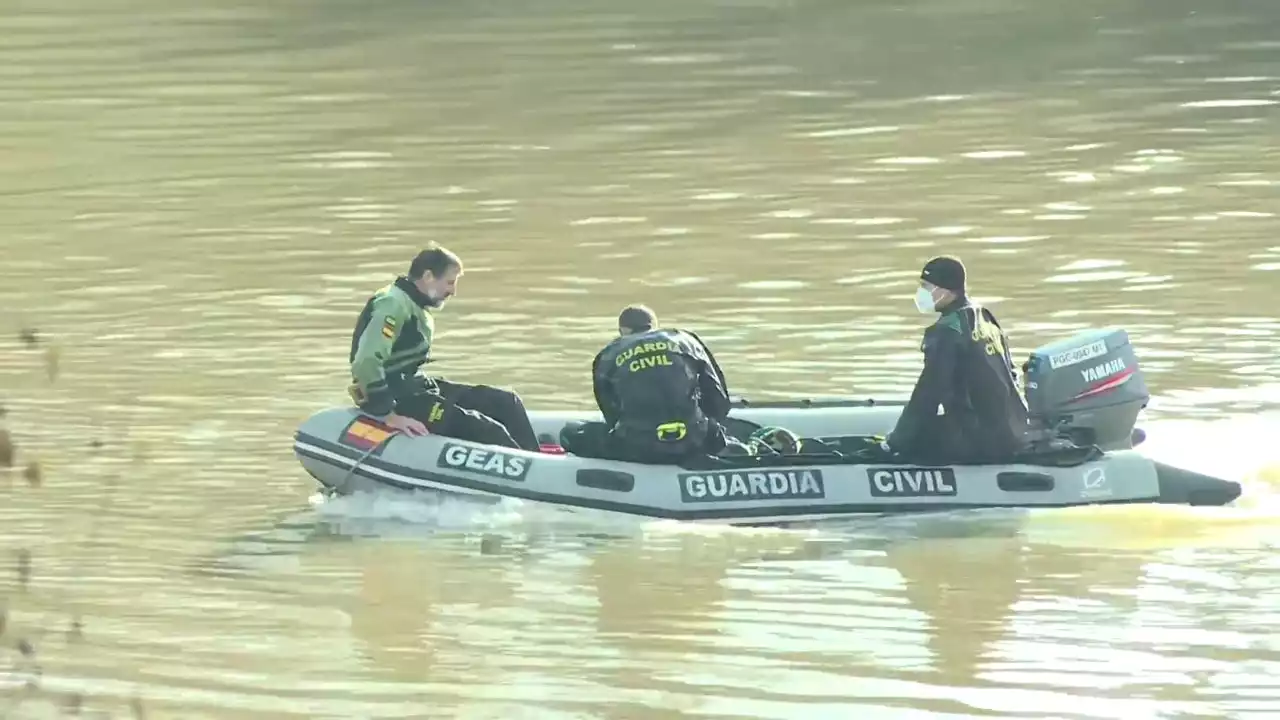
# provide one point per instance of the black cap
(946, 272)
(637, 318)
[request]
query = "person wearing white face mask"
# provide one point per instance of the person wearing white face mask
(968, 372)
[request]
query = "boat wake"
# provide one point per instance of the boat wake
(378, 513)
(365, 511)
(1239, 448)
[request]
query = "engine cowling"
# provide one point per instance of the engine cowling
(1087, 388)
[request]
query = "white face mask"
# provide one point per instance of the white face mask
(924, 301)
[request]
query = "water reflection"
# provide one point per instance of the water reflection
(418, 604)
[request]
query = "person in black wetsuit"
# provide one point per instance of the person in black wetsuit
(661, 392)
(968, 371)
(392, 340)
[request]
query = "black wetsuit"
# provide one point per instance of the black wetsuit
(663, 397)
(968, 371)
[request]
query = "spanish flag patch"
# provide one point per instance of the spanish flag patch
(365, 433)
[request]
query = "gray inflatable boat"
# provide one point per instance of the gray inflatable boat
(1084, 393)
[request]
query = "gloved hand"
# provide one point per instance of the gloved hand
(872, 448)
(884, 445)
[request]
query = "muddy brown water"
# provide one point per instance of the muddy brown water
(197, 197)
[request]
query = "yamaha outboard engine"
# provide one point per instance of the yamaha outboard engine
(1087, 389)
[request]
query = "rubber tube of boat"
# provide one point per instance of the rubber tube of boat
(1179, 486)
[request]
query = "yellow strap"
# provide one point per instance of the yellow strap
(677, 428)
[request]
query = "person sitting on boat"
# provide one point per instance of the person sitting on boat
(392, 339)
(968, 371)
(661, 392)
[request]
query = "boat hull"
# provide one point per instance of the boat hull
(348, 452)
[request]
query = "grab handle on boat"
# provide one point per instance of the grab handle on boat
(610, 480)
(1024, 482)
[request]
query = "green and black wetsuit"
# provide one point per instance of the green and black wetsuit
(391, 340)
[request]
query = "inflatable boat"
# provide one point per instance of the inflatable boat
(1084, 393)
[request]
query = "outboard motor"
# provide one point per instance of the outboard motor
(1087, 389)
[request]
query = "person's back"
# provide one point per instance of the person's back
(661, 392)
(969, 372)
(991, 412)
(659, 385)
